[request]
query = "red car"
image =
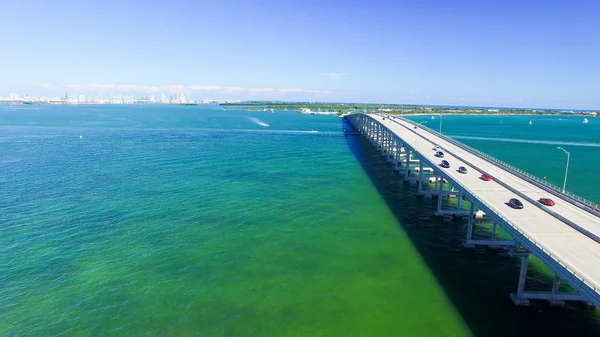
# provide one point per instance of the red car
(486, 177)
(547, 202)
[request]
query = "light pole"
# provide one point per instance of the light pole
(567, 169)
(416, 127)
(440, 122)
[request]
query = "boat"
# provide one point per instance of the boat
(530, 122)
(313, 131)
(585, 120)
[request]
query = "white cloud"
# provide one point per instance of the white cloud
(219, 89)
(114, 87)
(334, 75)
(49, 86)
(178, 88)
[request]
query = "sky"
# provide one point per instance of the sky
(528, 53)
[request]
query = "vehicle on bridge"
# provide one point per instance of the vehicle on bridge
(445, 164)
(436, 147)
(462, 170)
(439, 154)
(486, 177)
(515, 203)
(547, 201)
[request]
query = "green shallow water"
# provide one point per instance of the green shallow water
(195, 221)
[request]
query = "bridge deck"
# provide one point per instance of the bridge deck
(578, 252)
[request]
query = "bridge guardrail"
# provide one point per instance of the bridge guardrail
(581, 278)
(589, 204)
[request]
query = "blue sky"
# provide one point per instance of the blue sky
(529, 53)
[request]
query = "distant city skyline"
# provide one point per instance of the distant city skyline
(478, 53)
(109, 98)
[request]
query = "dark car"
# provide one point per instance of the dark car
(445, 164)
(439, 154)
(462, 170)
(547, 201)
(515, 203)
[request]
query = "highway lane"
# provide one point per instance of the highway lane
(580, 217)
(563, 243)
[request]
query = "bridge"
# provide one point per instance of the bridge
(565, 237)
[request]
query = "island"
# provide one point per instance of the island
(341, 109)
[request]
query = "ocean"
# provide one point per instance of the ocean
(193, 220)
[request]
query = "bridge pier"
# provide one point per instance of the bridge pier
(399, 148)
(440, 194)
(553, 297)
(469, 243)
(420, 184)
(407, 165)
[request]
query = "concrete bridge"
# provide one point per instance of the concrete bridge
(565, 237)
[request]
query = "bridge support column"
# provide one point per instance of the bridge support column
(440, 196)
(555, 290)
(519, 298)
(391, 150)
(459, 201)
(420, 184)
(467, 243)
(397, 156)
(407, 167)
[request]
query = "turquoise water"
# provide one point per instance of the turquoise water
(130, 220)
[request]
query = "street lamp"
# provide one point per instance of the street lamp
(416, 127)
(567, 169)
(440, 122)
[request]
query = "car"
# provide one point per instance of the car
(515, 203)
(445, 164)
(439, 154)
(462, 170)
(547, 201)
(486, 177)
(436, 147)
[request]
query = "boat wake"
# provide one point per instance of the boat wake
(528, 141)
(258, 121)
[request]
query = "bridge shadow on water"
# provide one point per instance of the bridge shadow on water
(477, 282)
